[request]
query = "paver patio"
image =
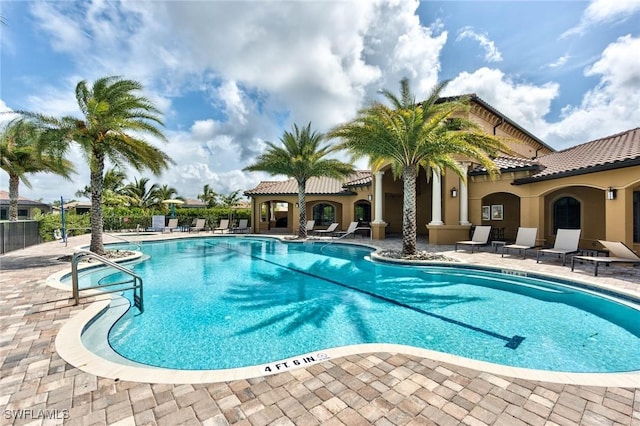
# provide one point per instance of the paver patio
(38, 387)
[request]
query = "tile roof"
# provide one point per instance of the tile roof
(508, 164)
(611, 152)
(4, 200)
(318, 186)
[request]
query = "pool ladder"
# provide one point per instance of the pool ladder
(135, 281)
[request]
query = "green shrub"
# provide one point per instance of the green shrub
(75, 224)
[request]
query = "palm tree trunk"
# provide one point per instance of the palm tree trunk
(14, 181)
(409, 175)
(97, 182)
(302, 203)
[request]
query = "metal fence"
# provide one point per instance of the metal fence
(18, 235)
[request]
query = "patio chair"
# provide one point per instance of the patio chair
(525, 239)
(351, 229)
(619, 252)
(223, 226)
(199, 226)
(242, 227)
(566, 243)
(310, 225)
(173, 224)
(479, 238)
(329, 231)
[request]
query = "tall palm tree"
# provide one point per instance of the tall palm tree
(208, 196)
(301, 157)
(114, 179)
(228, 201)
(115, 120)
(410, 136)
(19, 156)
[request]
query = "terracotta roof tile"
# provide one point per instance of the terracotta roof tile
(610, 152)
(506, 163)
(322, 185)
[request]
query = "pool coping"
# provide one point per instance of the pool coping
(70, 347)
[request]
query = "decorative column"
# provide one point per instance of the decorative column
(436, 200)
(464, 197)
(377, 216)
(272, 210)
(378, 225)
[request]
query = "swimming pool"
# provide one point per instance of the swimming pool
(227, 302)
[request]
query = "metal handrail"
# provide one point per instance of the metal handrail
(136, 279)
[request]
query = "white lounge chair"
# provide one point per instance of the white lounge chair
(329, 231)
(242, 227)
(480, 238)
(525, 239)
(567, 241)
(310, 225)
(618, 251)
(223, 226)
(173, 224)
(351, 229)
(199, 226)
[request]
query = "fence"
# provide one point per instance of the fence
(18, 235)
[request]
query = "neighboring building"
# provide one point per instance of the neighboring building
(26, 208)
(77, 207)
(594, 186)
(191, 203)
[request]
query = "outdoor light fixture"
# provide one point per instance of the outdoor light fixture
(454, 192)
(611, 193)
(369, 197)
(297, 205)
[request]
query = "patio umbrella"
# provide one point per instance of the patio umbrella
(173, 203)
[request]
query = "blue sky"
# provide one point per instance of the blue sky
(229, 76)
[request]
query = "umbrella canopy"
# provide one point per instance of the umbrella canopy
(173, 203)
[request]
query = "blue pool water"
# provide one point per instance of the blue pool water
(231, 302)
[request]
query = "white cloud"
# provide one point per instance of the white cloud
(560, 62)
(491, 52)
(522, 102)
(613, 105)
(604, 11)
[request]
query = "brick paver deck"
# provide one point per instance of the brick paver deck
(38, 387)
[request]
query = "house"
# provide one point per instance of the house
(26, 208)
(594, 186)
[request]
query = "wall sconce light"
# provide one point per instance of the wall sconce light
(297, 205)
(454, 192)
(369, 197)
(611, 193)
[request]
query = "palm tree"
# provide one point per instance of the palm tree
(139, 195)
(228, 201)
(19, 156)
(115, 119)
(301, 157)
(410, 136)
(208, 196)
(113, 182)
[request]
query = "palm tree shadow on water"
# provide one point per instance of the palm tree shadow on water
(304, 302)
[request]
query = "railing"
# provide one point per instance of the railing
(135, 280)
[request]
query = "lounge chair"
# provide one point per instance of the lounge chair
(199, 226)
(223, 226)
(353, 226)
(480, 238)
(173, 224)
(329, 231)
(618, 253)
(242, 227)
(525, 239)
(566, 243)
(310, 225)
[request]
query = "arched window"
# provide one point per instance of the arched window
(324, 214)
(363, 212)
(566, 214)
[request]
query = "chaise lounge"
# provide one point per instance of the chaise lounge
(525, 239)
(567, 241)
(479, 238)
(618, 253)
(329, 231)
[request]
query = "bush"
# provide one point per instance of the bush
(76, 224)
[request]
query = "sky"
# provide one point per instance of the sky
(229, 76)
